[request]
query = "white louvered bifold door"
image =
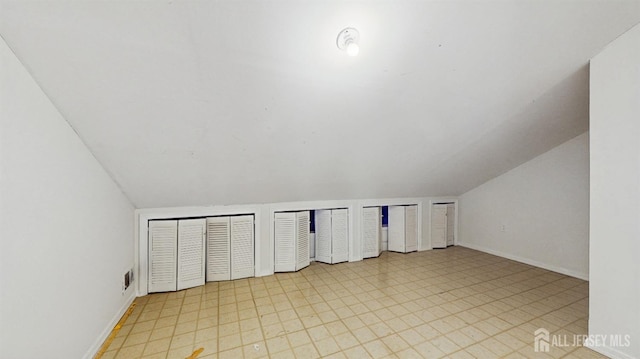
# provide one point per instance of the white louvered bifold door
(451, 216)
(302, 228)
(439, 226)
(371, 232)
(163, 249)
(411, 228)
(191, 248)
(396, 228)
(323, 235)
(218, 249)
(285, 242)
(242, 241)
(339, 235)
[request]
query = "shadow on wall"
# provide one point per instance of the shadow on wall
(559, 114)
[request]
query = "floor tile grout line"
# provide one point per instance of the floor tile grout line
(406, 294)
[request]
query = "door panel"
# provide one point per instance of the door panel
(323, 235)
(451, 216)
(439, 226)
(163, 251)
(411, 228)
(339, 235)
(371, 232)
(218, 249)
(285, 242)
(191, 248)
(396, 228)
(302, 228)
(242, 242)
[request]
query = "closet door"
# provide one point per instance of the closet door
(439, 226)
(285, 242)
(371, 232)
(339, 235)
(218, 249)
(396, 228)
(323, 235)
(191, 248)
(451, 215)
(302, 253)
(242, 254)
(163, 249)
(411, 228)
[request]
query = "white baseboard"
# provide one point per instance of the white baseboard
(93, 350)
(611, 352)
(553, 268)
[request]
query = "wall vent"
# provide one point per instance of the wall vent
(127, 280)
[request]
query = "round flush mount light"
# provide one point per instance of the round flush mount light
(348, 41)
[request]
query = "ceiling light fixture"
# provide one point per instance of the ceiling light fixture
(348, 41)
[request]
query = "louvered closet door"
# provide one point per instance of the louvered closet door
(439, 226)
(163, 249)
(339, 235)
(242, 254)
(218, 249)
(371, 232)
(323, 235)
(302, 253)
(285, 242)
(451, 215)
(396, 228)
(191, 248)
(411, 228)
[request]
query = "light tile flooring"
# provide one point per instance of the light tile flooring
(454, 303)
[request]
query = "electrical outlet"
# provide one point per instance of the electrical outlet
(503, 228)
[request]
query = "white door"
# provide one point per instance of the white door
(191, 248)
(439, 226)
(371, 232)
(451, 216)
(323, 235)
(339, 235)
(163, 250)
(285, 242)
(218, 249)
(411, 228)
(303, 253)
(242, 241)
(396, 227)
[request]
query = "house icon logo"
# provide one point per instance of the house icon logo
(541, 340)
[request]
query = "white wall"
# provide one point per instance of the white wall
(66, 230)
(614, 291)
(537, 213)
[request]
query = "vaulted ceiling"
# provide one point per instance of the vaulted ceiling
(229, 102)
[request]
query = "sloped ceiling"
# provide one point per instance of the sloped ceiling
(229, 102)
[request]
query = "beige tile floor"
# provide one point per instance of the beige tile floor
(453, 303)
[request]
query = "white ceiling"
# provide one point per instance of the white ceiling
(229, 102)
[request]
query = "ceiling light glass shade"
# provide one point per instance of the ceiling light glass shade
(348, 41)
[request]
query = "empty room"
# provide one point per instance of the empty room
(319, 179)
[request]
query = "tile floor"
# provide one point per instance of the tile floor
(453, 303)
